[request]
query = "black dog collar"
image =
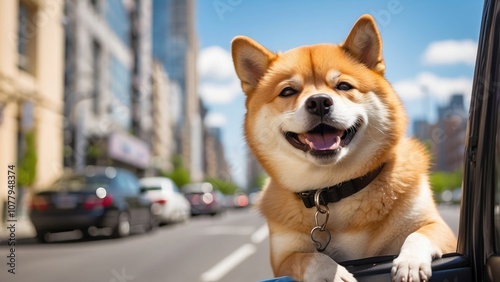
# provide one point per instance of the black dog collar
(337, 192)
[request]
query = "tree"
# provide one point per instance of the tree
(261, 180)
(225, 187)
(27, 165)
(179, 175)
(442, 180)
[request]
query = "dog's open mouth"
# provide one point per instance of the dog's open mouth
(322, 139)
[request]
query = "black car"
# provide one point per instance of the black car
(100, 200)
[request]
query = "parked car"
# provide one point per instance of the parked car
(204, 199)
(168, 202)
(239, 200)
(99, 200)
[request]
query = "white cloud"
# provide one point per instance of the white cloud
(449, 52)
(215, 120)
(216, 92)
(218, 81)
(215, 63)
(430, 84)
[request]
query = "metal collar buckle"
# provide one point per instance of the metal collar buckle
(320, 236)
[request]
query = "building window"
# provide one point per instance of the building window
(26, 35)
(118, 19)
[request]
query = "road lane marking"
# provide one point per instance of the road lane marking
(260, 235)
(229, 230)
(228, 263)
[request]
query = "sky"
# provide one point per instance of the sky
(429, 48)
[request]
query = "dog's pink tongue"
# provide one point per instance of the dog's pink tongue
(325, 141)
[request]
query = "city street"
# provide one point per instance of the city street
(229, 247)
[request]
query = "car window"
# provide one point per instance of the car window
(174, 187)
(119, 185)
(77, 183)
(132, 184)
(122, 184)
(150, 188)
(97, 181)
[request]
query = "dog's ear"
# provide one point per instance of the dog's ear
(365, 44)
(251, 61)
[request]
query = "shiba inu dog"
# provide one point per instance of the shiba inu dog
(344, 181)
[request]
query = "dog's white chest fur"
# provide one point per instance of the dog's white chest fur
(348, 246)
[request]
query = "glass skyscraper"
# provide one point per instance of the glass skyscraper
(175, 46)
(170, 39)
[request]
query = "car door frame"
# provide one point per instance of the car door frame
(477, 238)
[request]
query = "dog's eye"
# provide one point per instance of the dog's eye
(288, 91)
(344, 86)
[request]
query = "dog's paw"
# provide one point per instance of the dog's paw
(411, 268)
(337, 274)
(324, 269)
(342, 275)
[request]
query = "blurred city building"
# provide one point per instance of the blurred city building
(445, 138)
(78, 86)
(165, 101)
(449, 134)
(142, 44)
(216, 165)
(107, 83)
(31, 92)
(254, 173)
(421, 129)
(175, 46)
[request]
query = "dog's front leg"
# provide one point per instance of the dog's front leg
(314, 267)
(419, 249)
(414, 260)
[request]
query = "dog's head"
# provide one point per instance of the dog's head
(322, 114)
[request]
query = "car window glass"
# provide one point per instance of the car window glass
(126, 185)
(119, 185)
(132, 184)
(174, 187)
(151, 188)
(79, 183)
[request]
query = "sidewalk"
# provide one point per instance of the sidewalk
(23, 229)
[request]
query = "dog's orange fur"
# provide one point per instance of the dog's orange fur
(379, 212)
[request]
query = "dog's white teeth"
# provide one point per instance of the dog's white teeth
(302, 138)
(327, 141)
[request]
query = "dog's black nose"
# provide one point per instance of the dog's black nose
(319, 104)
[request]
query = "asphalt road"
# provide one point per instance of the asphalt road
(230, 247)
